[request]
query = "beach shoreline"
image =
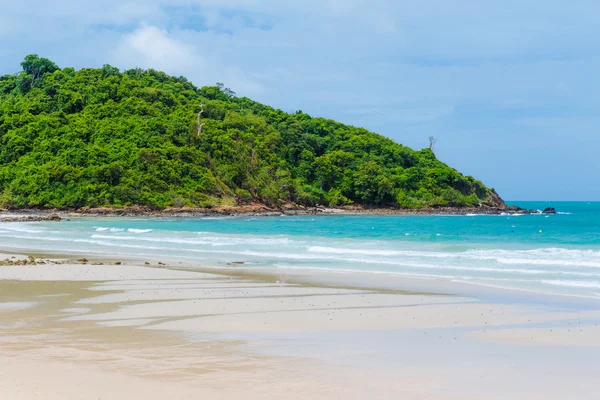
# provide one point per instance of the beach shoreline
(189, 330)
(255, 210)
(383, 282)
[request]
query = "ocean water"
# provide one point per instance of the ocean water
(541, 253)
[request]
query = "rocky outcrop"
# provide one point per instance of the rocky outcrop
(494, 200)
(30, 218)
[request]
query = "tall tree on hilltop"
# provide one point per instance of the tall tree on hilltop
(34, 68)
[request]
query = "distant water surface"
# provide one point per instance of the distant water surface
(541, 253)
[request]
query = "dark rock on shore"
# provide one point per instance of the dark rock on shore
(30, 218)
(549, 210)
(29, 260)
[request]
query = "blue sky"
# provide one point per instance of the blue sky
(509, 88)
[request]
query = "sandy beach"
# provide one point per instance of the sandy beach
(79, 331)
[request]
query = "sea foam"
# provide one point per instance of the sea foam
(133, 230)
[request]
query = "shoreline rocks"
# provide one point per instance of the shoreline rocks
(254, 210)
(12, 217)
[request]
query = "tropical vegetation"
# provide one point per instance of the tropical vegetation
(104, 137)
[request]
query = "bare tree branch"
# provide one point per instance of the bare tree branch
(432, 142)
(200, 116)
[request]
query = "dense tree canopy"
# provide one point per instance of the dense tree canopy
(102, 137)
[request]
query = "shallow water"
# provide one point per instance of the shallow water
(541, 253)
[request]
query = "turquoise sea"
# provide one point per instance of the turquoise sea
(541, 253)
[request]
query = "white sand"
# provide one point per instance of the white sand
(79, 272)
(264, 290)
(131, 331)
(16, 305)
(577, 335)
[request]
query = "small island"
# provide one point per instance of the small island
(102, 141)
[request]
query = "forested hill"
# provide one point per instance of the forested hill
(102, 137)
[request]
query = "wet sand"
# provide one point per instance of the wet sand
(74, 331)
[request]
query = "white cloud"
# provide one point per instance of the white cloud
(151, 47)
(180, 53)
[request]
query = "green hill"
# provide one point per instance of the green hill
(102, 137)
